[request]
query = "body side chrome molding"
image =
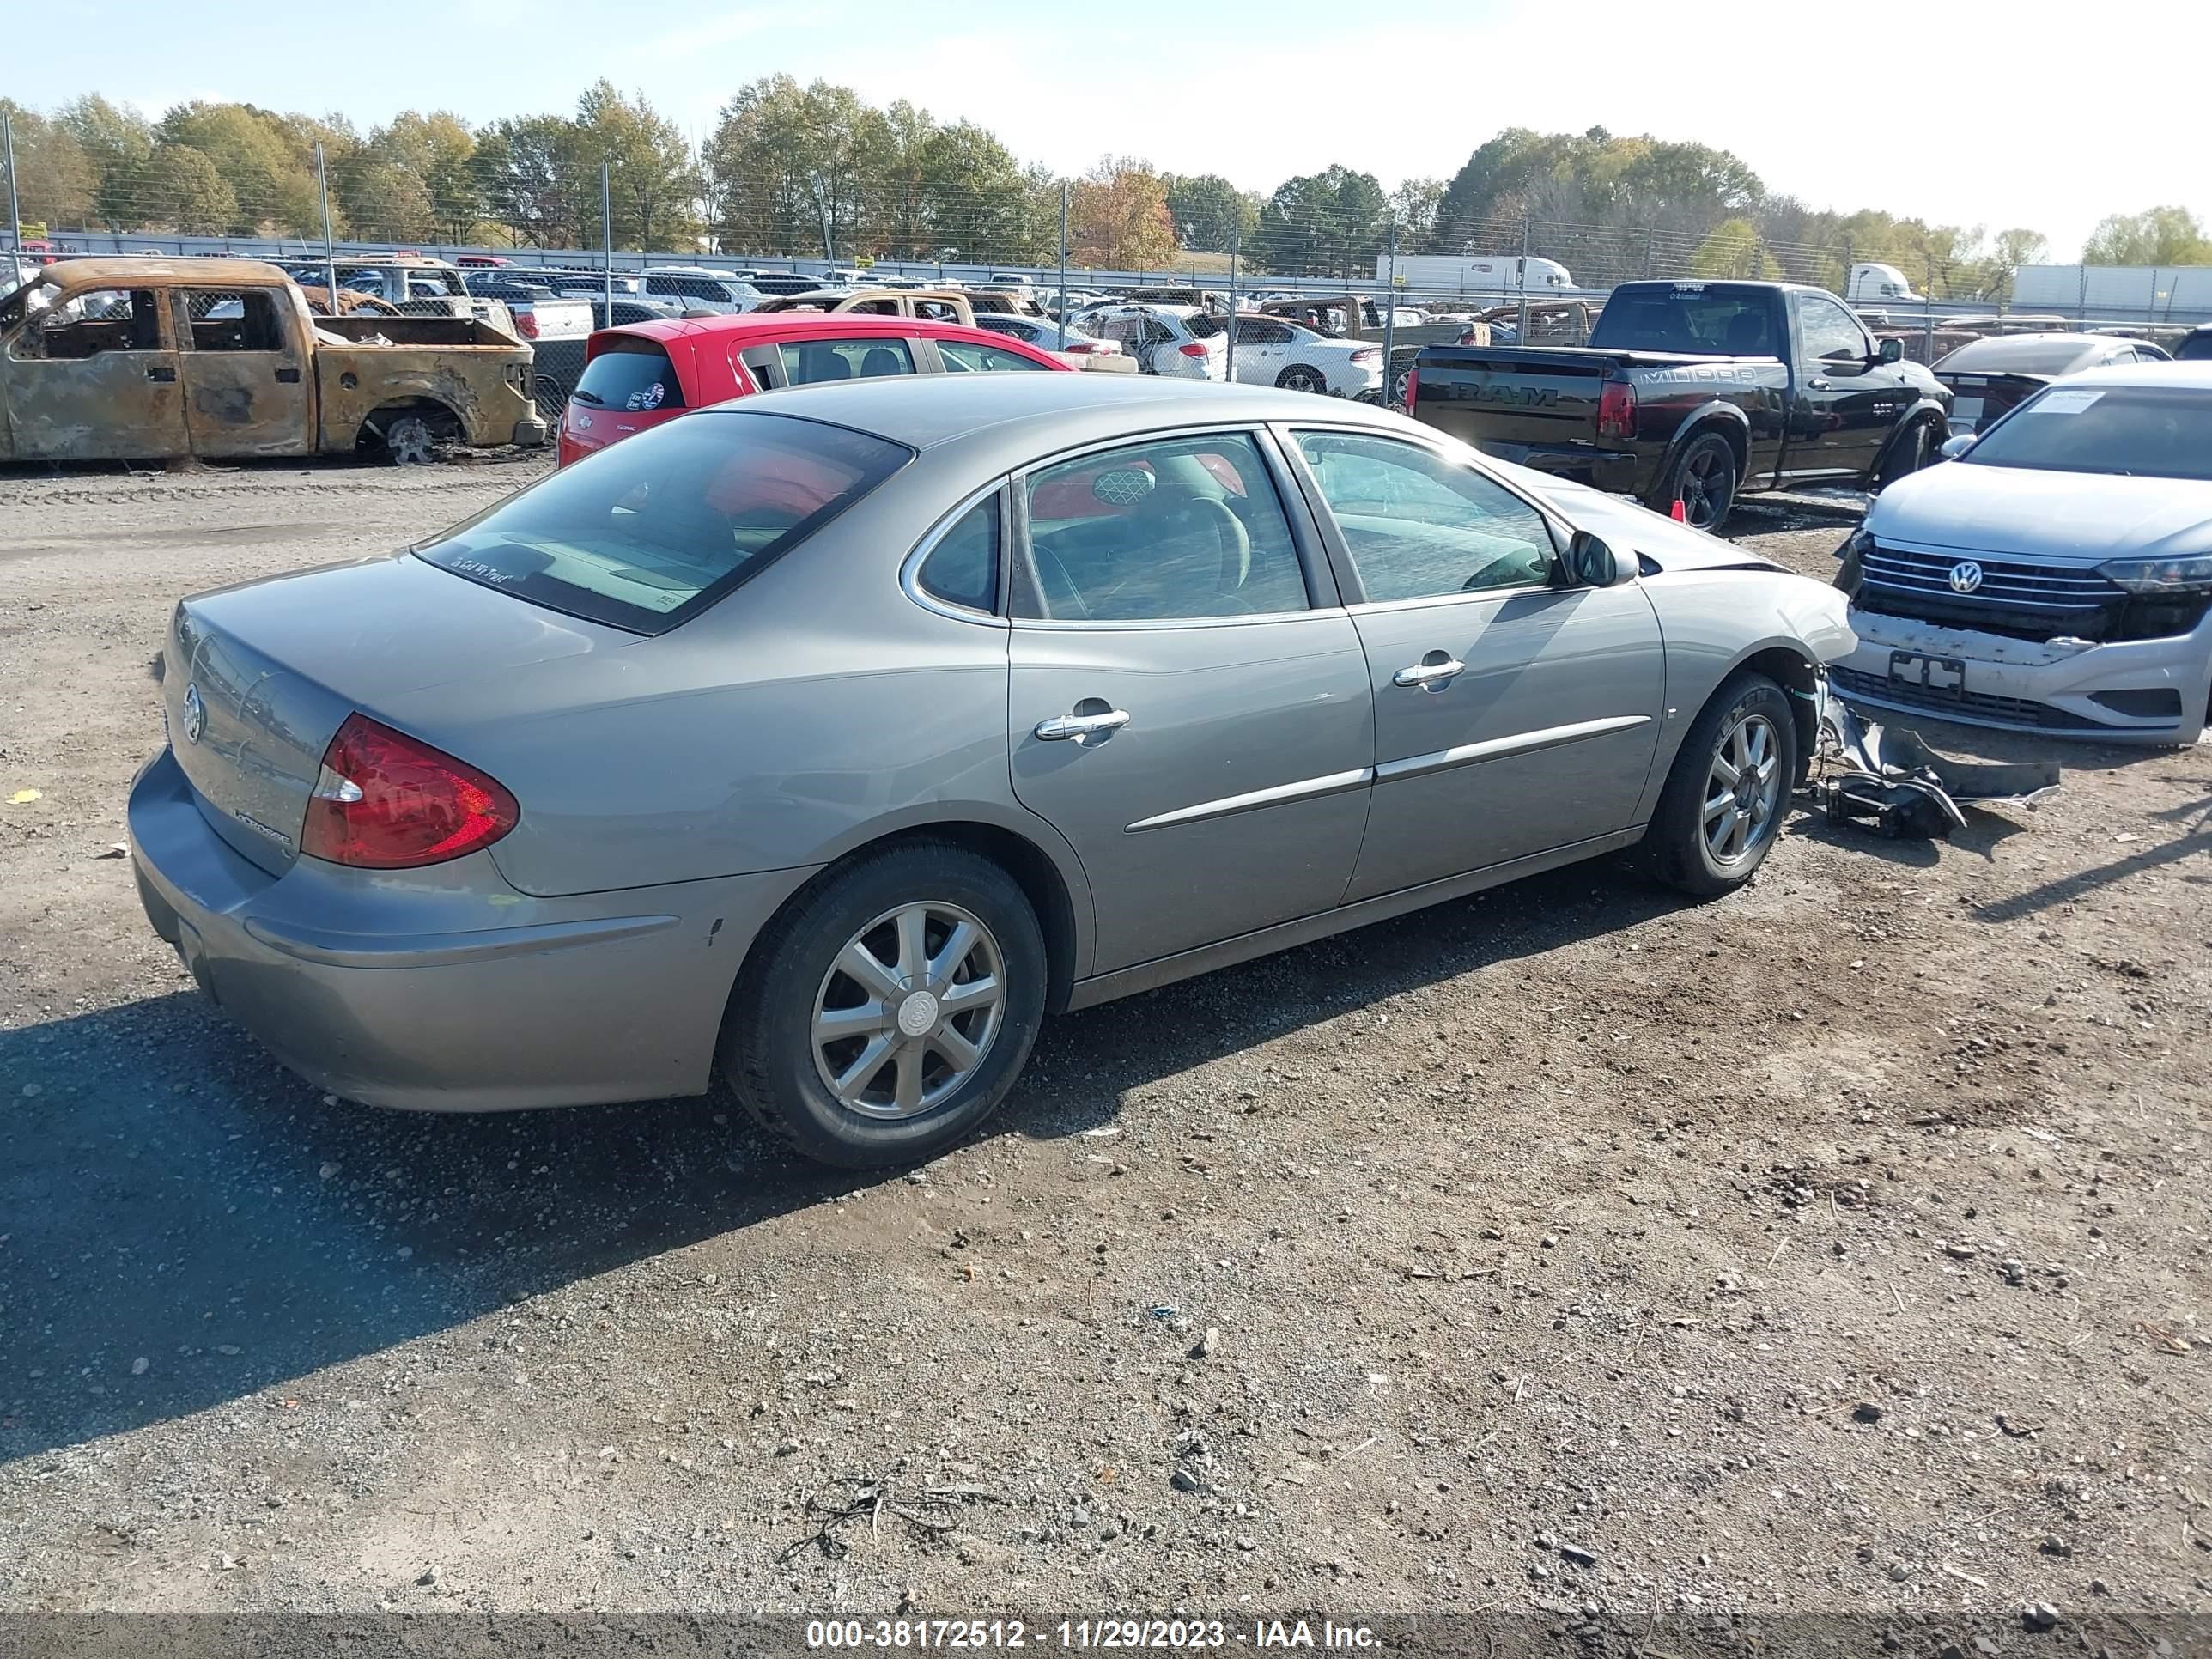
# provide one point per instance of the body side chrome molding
(1521, 743)
(1335, 783)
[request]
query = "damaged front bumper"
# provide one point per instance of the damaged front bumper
(2142, 691)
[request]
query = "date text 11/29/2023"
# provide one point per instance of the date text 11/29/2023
(1085, 1635)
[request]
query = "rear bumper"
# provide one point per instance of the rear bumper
(1613, 469)
(2152, 691)
(444, 989)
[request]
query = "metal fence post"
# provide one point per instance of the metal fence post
(1520, 327)
(329, 243)
(607, 236)
(1235, 237)
(1063, 265)
(1390, 318)
(14, 205)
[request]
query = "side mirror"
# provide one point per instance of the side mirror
(1890, 351)
(1951, 447)
(1592, 562)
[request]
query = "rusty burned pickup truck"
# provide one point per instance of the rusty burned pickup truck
(141, 359)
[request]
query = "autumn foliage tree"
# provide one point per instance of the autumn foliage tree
(1118, 217)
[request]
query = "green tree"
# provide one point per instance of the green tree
(531, 179)
(977, 205)
(1733, 249)
(1209, 212)
(1322, 224)
(255, 155)
(184, 192)
(119, 143)
(1415, 205)
(56, 182)
(439, 151)
(652, 183)
(2156, 236)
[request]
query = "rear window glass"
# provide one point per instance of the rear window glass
(630, 374)
(2152, 432)
(652, 531)
(1694, 318)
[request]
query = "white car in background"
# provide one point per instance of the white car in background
(1271, 351)
(1170, 340)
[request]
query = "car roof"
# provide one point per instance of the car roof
(1001, 413)
(125, 269)
(2036, 353)
(2182, 376)
(800, 324)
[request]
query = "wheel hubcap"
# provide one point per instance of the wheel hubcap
(1742, 789)
(908, 1009)
(410, 441)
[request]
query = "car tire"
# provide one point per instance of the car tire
(1712, 832)
(1907, 455)
(1703, 479)
(410, 440)
(1301, 377)
(784, 1048)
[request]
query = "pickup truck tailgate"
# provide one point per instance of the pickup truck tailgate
(1502, 394)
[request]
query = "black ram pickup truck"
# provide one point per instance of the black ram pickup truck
(1695, 392)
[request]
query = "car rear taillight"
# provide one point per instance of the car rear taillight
(1080, 346)
(1616, 410)
(1191, 349)
(383, 801)
(1412, 387)
(526, 323)
(1373, 355)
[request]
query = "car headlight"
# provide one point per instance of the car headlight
(2190, 574)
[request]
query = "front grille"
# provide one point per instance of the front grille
(2018, 599)
(2018, 711)
(2008, 582)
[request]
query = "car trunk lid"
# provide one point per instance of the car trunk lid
(257, 679)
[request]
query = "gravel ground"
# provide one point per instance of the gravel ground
(1841, 1245)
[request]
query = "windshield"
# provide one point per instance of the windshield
(2152, 432)
(652, 531)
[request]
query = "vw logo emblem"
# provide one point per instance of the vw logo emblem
(195, 714)
(1965, 576)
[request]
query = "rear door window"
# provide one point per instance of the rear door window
(961, 355)
(807, 361)
(661, 526)
(635, 375)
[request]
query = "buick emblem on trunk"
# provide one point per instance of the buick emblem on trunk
(1965, 576)
(195, 714)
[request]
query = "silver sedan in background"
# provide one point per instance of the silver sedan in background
(834, 738)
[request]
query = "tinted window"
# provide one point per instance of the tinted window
(998, 323)
(1695, 317)
(2151, 431)
(1829, 333)
(806, 361)
(629, 374)
(2197, 347)
(1418, 525)
(1182, 527)
(961, 355)
(652, 530)
(963, 569)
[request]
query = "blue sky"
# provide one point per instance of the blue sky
(2006, 126)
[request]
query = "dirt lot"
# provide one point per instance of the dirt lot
(1842, 1244)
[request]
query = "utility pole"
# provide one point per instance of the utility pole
(1063, 265)
(607, 235)
(15, 206)
(329, 246)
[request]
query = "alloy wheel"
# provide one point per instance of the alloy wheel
(1707, 488)
(908, 1009)
(409, 442)
(1743, 789)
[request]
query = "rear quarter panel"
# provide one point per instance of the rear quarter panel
(353, 381)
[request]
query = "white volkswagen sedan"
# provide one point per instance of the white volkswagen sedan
(2058, 575)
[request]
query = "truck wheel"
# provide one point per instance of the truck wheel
(1703, 478)
(1906, 456)
(409, 441)
(1299, 377)
(1724, 803)
(887, 1013)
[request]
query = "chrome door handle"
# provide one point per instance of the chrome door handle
(1817, 384)
(1062, 728)
(1429, 673)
